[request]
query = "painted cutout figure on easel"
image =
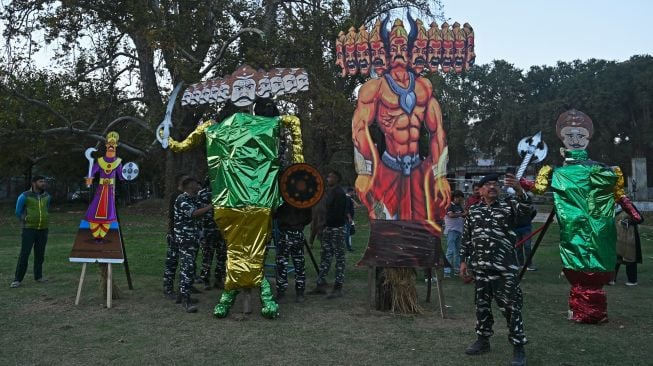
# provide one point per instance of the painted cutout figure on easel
(99, 238)
(102, 210)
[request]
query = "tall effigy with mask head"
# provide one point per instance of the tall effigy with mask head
(406, 193)
(245, 154)
(584, 194)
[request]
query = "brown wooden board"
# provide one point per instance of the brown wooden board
(87, 250)
(401, 243)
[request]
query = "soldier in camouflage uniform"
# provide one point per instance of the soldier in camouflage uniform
(187, 216)
(291, 222)
(488, 246)
(212, 244)
(333, 236)
(172, 252)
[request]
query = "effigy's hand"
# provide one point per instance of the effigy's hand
(363, 184)
(88, 181)
(442, 193)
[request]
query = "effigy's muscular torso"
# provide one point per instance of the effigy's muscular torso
(400, 129)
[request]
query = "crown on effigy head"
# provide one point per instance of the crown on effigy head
(112, 138)
(398, 30)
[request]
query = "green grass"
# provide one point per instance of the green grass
(41, 324)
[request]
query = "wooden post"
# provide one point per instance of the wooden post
(371, 287)
(109, 284)
(81, 282)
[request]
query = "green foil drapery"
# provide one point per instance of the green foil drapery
(584, 200)
(242, 154)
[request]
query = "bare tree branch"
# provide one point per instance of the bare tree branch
(123, 145)
(187, 55)
(226, 44)
(138, 121)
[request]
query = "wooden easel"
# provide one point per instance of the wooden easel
(109, 284)
(86, 250)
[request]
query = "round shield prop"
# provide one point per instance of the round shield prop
(130, 170)
(301, 185)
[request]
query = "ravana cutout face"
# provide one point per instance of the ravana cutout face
(302, 80)
(188, 95)
(197, 95)
(206, 93)
(243, 91)
(264, 87)
(289, 83)
(215, 92)
(224, 90)
(277, 85)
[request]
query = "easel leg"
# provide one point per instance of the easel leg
(438, 281)
(109, 285)
(81, 282)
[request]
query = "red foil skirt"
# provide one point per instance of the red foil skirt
(587, 299)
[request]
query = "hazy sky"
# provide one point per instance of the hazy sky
(541, 32)
(538, 32)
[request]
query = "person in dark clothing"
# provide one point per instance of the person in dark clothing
(333, 236)
(172, 251)
(350, 228)
(488, 245)
(32, 210)
(291, 222)
(186, 227)
(629, 248)
(475, 197)
(213, 244)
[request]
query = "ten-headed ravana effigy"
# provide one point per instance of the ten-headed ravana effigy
(584, 196)
(406, 193)
(244, 162)
(245, 84)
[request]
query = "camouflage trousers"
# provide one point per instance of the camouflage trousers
(333, 244)
(504, 288)
(170, 269)
(213, 245)
(187, 254)
(291, 244)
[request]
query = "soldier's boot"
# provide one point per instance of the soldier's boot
(320, 289)
(180, 299)
(169, 295)
(219, 283)
(281, 296)
(337, 291)
(299, 296)
(518, 356)
(479, 347)
(207, 284)
(187, 304)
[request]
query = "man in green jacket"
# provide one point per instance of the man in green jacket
(32, 210)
